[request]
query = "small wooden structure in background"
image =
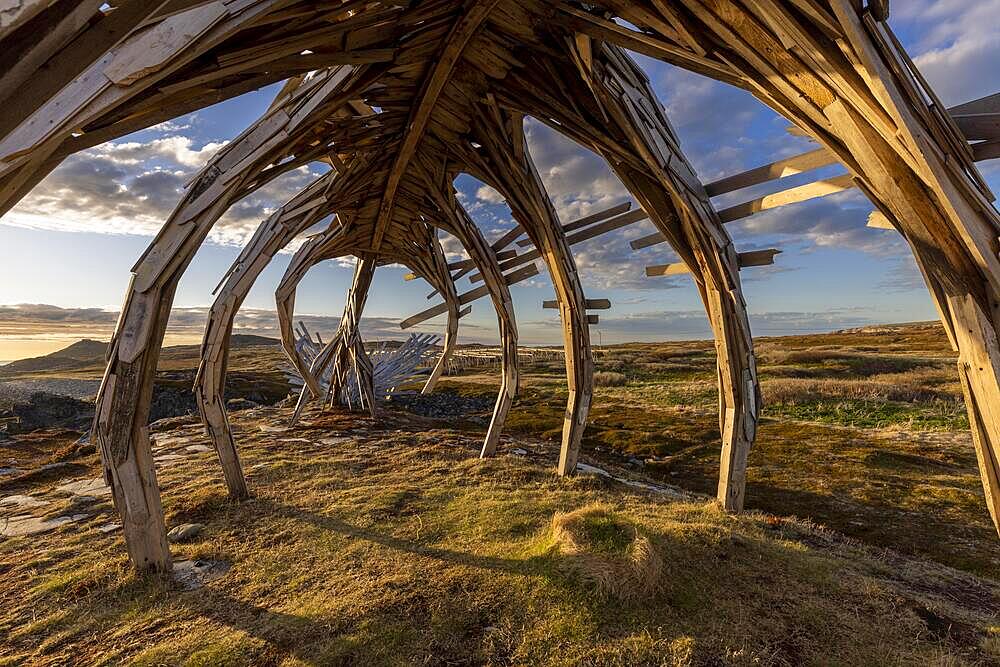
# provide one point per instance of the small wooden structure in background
(401, 97)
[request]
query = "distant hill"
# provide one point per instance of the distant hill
(79, 354)
(252, 340)
(83, 350)
(87, 352)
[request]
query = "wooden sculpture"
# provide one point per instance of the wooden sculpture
(400, 98)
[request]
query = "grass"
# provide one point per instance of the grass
(865, 432)
(401, 547)
(867, 539)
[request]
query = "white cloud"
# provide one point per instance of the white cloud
(959, 45)
(132, 187)
(489, 195)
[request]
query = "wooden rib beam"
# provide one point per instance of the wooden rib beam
(506, 159)
(446, 287)
(660, 178)
(496, 285)
(469, 20)
(273, 234)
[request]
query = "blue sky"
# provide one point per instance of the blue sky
(71, 243)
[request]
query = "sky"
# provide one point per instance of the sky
(66, 250)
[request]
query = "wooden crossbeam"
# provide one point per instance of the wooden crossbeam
(796, 164)
(877, 220)
(579, 237)
(511, 278)
(592, 304)
(980, 126)
(512, 234)
(467, 263)
(587, 220)
(746, 259)
(786, 197)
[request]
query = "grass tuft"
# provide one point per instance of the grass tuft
(608, 551)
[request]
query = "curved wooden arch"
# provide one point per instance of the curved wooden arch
(272, 235)
(505, 162)
(603, 108)
(258, 156)
(443, 282)
(425, 257)
(850, 85)
(427, 260)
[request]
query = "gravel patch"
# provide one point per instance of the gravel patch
(442, 404)
(21, 390)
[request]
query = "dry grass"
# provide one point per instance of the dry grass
(608, 552)
(870, 437)
(798, 391)
(609, 379)
(398, 546)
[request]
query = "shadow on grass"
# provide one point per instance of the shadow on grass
(536, 566)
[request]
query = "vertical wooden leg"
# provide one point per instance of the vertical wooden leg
(943, 229)
(447, 348)
(446, 287)
(272, 235)
(979, 370)
(122, 412)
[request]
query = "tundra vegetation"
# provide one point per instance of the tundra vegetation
(866, 539)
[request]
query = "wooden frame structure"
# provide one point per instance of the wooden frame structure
(400, 98)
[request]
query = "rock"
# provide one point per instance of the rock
(185, 532)
(236, 404)
(334, 441)
(18, 526)
(198, 449)
(194, 574)
(442, 404)
(23, 502)
(519, 452)
(109, 528)
(168, 459)
(9, 471)
(161, 441)
(45, 410)
(86, 487)
(171, 401)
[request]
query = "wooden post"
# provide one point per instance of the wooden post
(483, 257)
(644, 152)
